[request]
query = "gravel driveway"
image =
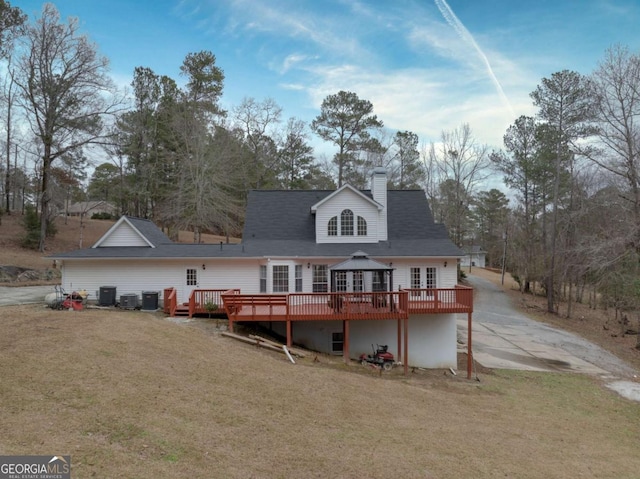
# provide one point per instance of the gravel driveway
(503, 338)
(24, 294)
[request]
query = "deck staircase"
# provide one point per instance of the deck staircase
(182, 310)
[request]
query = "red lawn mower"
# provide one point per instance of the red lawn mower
(63, 300)
(381, 357)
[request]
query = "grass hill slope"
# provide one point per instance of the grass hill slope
(130, 394)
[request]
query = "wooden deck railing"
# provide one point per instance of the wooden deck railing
(325, 306)
(202, 299)
(315, 306)
(170, 301)
(441, 300)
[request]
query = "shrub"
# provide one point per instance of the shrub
(31, 223)
(210, 306)
(102, 216)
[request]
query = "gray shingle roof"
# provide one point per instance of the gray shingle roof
(280, 224)
(281, 214)
(149, 230)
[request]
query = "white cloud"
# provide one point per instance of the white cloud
(425, 101)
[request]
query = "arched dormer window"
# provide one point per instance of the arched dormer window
(346, 223)
(332, 227)
(362, 226)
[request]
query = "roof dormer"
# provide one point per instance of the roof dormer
(349, 215)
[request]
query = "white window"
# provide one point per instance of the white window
(192, 277)
(298, 278)
(320, 279)
(341, 281)
(362, 226)
(263, 278)
(281, 279)
(346, 223)
(332, 227)
(415, 278)
(430, 278)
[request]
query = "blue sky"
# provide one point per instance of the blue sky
(426, 65)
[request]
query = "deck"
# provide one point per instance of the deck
(323, 306)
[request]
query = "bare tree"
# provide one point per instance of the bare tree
(461, 165)
(8, 94)
(11, 22)
(257, 121)
(616, 93)
(65, 92)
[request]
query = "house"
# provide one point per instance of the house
(335, 271)
(91, 207)
(474, 256)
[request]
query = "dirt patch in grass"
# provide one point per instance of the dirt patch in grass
(130, 394)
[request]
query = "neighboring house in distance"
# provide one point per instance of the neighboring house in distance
(89, 208)
(335, 271)
(474, 256)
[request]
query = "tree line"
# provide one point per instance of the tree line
(569, 228)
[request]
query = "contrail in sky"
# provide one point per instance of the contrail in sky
(457, 25)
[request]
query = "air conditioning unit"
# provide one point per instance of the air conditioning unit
(129, 301)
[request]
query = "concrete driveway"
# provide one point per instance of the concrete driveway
(24, 294)
(503, 338)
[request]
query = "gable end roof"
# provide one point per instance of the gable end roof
(344, 187)
(147, 231)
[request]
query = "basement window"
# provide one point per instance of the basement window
(337, 343)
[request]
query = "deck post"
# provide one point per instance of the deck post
(289, 338)
(469, 348)
(230, 324)
(406, 346)
(399, 338)
(345, 343)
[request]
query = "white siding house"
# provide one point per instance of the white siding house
(474, 256)
(292, 243)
